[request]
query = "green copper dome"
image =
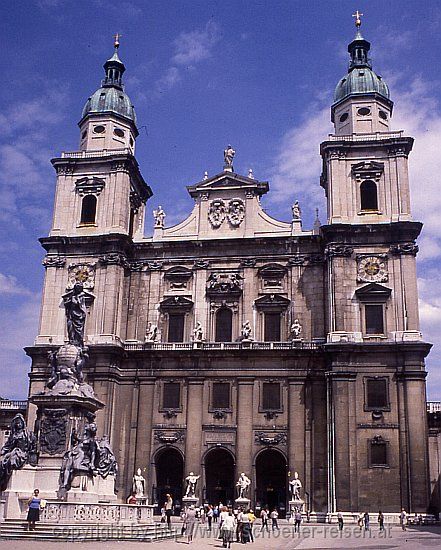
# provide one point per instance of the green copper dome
(361, 79)
(111, 98)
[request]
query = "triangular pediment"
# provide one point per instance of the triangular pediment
(373, 292)
(272, 301)
(176, 303)
(228, 180)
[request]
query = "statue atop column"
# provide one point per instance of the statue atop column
(243, 485)
(191, 480)
(159, 216)
(296, 211)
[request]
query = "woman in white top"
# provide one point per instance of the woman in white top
(228, 528)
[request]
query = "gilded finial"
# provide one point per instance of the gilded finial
(357, 16)
(116, 42)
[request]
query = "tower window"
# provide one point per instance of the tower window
(224, 325)
(344, 117)
(118, 132)
(271, 396)
(383, 115)
(272, 327)
(376, 393)
(176, 327)
(368, 195)
(364, 111)
(88, 210)
(220, 396)
(99, 129)
(84, 134)
(374, 321)
(171, 395)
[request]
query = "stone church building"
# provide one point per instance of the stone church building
(234, 342)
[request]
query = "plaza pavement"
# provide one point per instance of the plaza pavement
(318, 537)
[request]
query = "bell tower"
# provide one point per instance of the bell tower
(100, 189)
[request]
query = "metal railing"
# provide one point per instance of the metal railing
(219, 346)
(367, 137)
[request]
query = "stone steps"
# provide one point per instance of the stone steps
(74, 532)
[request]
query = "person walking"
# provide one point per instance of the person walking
(168, 507)
(381, 520)
(245, 528)
(274, 517)
(228, 528)
(340, 520)
(210, 514)
(366, 521)
(34, 505)
(223, 515)
(252, 519)
(264, 518)
(215, 513)
(190, 521)
(297, 521)
(403, 519)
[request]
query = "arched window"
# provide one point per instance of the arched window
(368, 195)
(88, 210)
(224, 325)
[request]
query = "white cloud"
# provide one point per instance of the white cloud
(10, 285)
(191, 47)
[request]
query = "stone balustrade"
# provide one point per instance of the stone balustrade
(73, 512)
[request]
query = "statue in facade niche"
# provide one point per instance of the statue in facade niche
(198, 332)
(75, 307)
(151, 334)
(296, 211)
(159, 216)
(20, 449)
(296, 330)
(294, 486)
(138, 485)
(191, 480)
(243, 485)
(229, 156)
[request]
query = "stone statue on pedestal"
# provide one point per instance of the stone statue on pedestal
(20, 449)
(296, 330)
(138, 485)
(67, 376)
(243, 485)
(151, 334)
(229, 156)
(159, 216)
(296, 211)
(75, 307)
(198, 332)
(107, 464)
(294, 486)
(246, 331)
(191, 480)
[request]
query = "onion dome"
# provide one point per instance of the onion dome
(111, 97)
(361, 79)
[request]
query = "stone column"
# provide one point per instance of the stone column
(244, 441)
(193, 443)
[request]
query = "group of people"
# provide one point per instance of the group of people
(236, 524)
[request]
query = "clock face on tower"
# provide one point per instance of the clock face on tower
(82, 273)
(372, 269)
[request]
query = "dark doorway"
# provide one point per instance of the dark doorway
(219, 477)
(271, 481)
(169, 477)
(224, 325)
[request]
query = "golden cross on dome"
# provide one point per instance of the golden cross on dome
(117, 37)
(357, 16)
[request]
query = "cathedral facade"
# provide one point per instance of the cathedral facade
(233, 342)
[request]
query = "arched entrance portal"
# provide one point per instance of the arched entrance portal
(219, 477)
(271, 480)
(169, 475)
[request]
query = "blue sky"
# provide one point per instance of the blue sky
(257, 74)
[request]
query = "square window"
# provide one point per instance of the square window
(171, 395)
(376, 393)
(374, 321)
(272, 327)
(176, 327)
(220, 396)
(378, 452)
(271, 396)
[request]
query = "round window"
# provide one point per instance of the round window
(118, 132)
(99, 129)
(344, 117)
(84, 134)
(383, 115)
(363, 111)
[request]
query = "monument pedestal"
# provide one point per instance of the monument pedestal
(188, 501)
(296, 505)
(243, 502)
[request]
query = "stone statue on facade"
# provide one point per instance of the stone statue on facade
(75, 307)
(294, 487)
(151, 334)
(159, 216)
(296, 211)
(20, 449)
(229, 156)
(107, 464)
(296, 330)
(138, 485)
(67, 376)
(243, 485)
(191, 480)
(246, 331)
(198, 332)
